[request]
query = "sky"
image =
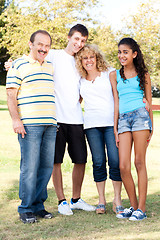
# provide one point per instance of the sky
(113, 11)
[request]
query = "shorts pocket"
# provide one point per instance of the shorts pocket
(143, 113)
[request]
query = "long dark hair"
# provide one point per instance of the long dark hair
(138, 61)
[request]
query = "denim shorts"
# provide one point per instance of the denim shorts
(136, 120)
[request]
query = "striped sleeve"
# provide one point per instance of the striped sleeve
(13, 78)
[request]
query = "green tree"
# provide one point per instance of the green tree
(2, 3)
(144, 28)
(104, 37)
(55, 16)
(3, 49)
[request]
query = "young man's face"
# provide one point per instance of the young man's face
(76, 42)
(40, 47)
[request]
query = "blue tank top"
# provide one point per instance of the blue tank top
(130, 94)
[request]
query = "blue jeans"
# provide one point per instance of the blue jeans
(37, 159)
(98, 138)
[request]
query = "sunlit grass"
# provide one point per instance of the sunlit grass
(82, 225)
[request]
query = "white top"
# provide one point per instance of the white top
(98, 101)
(67, 87)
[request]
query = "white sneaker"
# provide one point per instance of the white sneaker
(64, 208)
(82, 205)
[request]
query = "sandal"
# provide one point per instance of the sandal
(101, 209)
(117, 209)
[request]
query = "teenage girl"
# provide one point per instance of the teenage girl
(132, 122)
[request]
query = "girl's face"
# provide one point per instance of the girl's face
(89, 61)
(126, 55)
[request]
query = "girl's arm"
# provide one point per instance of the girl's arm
(113, 80)
(148, 95)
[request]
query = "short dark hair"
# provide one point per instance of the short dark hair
(78, 28)
(32, 38)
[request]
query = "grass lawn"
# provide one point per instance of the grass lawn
(82, 225)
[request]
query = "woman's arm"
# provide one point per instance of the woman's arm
(113, 80)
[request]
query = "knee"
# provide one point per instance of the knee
(124, 169)
(139, 164)
(99, 171)
(99, 164)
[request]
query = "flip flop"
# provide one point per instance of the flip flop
(101, 209)
(117, 209)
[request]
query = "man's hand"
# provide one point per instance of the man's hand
(18, 127)
(8, 64)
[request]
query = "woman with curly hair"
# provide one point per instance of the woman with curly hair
(99, 121)
(132, 122)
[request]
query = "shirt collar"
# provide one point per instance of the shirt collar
(31, 60)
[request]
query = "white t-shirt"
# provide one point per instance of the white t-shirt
(67, 87)
(98, 101)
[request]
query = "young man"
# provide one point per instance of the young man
(31, 103)
(70, 120)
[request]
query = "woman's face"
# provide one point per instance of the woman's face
(89, 61)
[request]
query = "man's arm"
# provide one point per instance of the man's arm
(13, 110)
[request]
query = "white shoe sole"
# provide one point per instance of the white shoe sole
(67, 214)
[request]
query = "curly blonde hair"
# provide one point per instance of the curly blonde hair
(101, 63)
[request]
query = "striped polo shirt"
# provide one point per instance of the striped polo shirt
(35, 84)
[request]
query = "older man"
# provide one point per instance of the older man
(31, 103)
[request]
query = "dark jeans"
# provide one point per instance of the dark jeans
(98, 138)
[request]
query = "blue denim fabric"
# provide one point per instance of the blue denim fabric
(99, 138)
(37, 159)
(136, 120)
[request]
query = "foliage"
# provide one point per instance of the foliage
(2, 3)
(3, 49)
(144, 28)
(55, 16)
(103, 37)
(17, 23)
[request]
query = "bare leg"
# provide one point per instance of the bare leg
(117, 186)
(140, 146)
(125, 146)
(77, 179)
(101, 192)
(57, 181)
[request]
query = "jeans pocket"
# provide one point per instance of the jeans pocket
(143, 113)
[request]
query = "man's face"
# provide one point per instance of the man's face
(76, 42)
(40, 47)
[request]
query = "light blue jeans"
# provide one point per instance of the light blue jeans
(100, 138)
(37, 159)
